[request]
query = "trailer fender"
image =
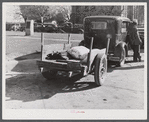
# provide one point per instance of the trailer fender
(94, 53)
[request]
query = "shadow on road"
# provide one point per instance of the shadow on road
(35, 55)
(110, 69)
(31, 87)
(132, 67)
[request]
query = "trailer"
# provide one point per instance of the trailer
(96, 61)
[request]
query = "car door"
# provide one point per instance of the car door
(124, 30)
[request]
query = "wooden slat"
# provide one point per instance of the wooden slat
(59, 65)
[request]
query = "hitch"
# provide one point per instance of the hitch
(109, 37)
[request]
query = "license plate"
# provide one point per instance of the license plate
(114, 58)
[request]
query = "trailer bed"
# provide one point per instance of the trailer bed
(61, 64)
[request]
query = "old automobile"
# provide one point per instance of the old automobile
(99, 27)
(76, 28)
(46, 27)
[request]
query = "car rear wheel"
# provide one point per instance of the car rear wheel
(100, 71)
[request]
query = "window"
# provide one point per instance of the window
(77, 8)
(124, 27)
(99, 25)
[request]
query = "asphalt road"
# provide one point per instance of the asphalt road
(27, 89)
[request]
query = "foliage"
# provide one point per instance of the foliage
(62, 13)
(83, 11)
(109, 10)
(35, 12)
(24, 11)
(11, 15)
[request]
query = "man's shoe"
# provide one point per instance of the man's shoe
(139, 58)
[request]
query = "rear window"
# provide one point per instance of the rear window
(99, 25)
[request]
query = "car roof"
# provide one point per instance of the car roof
(110, 17)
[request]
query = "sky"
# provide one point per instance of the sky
(10, 15)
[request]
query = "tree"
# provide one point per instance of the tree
(11, 15)
(41, 11)
(79, 12)
(35, 12)
(62, 13)
(108, 10)
(24, 11)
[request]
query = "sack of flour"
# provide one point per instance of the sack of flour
(78, 52)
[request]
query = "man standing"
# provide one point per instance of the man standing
(135, 41)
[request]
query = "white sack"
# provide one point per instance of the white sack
(78, 52)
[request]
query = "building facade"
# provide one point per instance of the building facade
(134, 12)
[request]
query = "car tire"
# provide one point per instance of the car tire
(100, 70)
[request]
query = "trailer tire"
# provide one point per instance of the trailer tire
(49, 75)
(100, 71)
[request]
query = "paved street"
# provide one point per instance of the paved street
(27, 89)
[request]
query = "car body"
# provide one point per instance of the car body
(22, 28)
(48, 27)
(15, 27)
(68, 27)
(101, 26)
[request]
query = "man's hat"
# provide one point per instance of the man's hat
(135, 21)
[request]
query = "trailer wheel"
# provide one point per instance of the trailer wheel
(122, 57)
(100, 71)
(49, 74)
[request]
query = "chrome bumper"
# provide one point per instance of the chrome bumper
(114, 58)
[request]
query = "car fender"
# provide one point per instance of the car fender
(119, 47)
